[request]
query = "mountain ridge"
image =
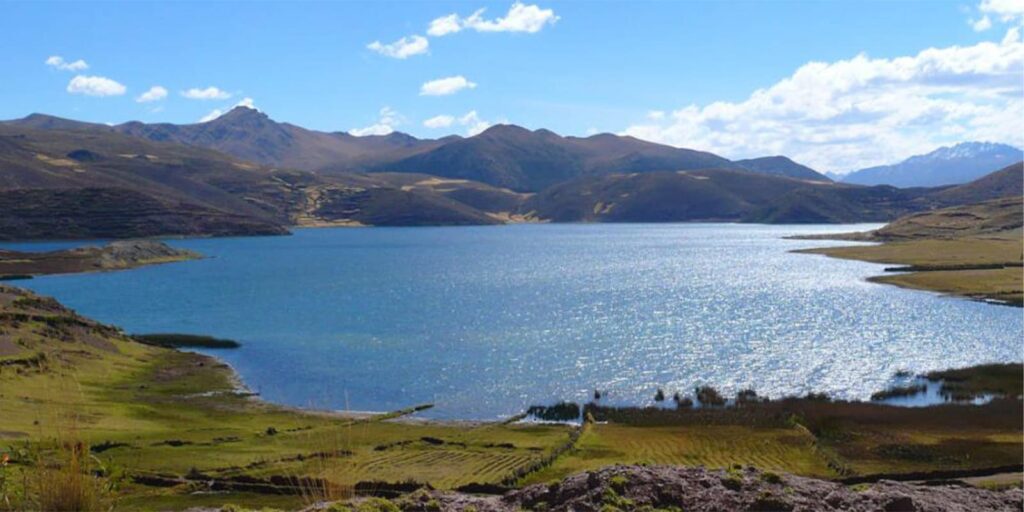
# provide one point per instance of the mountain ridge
(947, 165)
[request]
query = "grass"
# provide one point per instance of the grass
(160, 412)
(1001, 284)
(778, 449)
(997, 379)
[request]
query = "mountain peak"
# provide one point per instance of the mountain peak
(968, 149)
(779, 165)
(504, 130)
(243, 112)
(947, 165)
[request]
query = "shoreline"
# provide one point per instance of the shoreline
(175, 418)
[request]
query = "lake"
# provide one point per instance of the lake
(485, 321)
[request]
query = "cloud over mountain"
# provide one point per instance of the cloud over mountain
(95, 86)
(863, 111)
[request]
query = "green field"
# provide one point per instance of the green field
(1002, 284)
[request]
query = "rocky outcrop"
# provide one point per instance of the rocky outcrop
(697, 489)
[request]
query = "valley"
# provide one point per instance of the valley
(245, 174)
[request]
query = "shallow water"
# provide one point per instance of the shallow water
(484, 321)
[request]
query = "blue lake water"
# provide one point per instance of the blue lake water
(484, 321)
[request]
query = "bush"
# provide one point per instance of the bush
(562, 411)
(683, 402)
(659, 396)
(708, 395)
(748, 396)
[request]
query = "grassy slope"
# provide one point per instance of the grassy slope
(104, 388)
(950, 244)
(1004, 284)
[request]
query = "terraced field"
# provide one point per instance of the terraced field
(778, 449)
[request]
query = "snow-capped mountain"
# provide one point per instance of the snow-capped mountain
(953, 165)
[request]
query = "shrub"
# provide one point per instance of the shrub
(708, 395)
(659, 396)
(898, 391)
(618, 482)
(732, 482)
(562, 411)
(683, 402)
(748, 396)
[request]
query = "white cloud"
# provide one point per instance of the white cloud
(982, 24)
(247, 103)
(441, 121)
(95, 86)
(849, 114)
(520, 18)
(445, 25)
(214, 114)
(403, 48)
(387, 120)
(209, 93)
(155, 93)
(473, 123)
(58, 62)
(1006, 10)
(656, 115)
(1012, 36)
(446, 86)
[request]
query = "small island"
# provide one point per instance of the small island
(119, 255)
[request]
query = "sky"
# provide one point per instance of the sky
(832, 84)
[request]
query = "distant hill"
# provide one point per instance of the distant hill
(944, 166)
(781, 166)
(716, 195)
(523, 160)
(93, 182)
(67, 179)
(1006, 182)
(251, 135)
(506, 156)
(730, 195)
(996, 217)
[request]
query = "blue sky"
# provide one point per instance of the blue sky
(682, 73)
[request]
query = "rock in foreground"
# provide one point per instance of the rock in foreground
(698, 489)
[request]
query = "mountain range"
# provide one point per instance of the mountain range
(503, 155)
(244, 173)
(953, 165)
